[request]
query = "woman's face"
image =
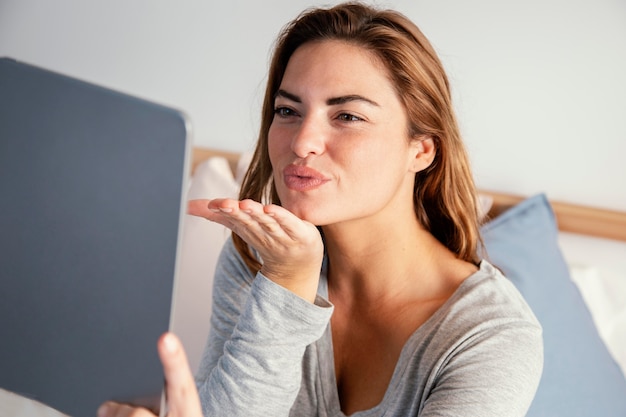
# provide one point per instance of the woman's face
(338, 142)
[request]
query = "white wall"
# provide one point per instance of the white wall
(540, 86)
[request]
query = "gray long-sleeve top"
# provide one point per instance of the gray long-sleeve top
(269, 352)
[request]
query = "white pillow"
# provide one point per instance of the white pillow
(485, 202)
(202, 241)
(604, 295)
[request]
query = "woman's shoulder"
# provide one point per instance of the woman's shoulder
(484, 340)
(485, 318)
(487, 297)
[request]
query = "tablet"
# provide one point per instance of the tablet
(91, 186)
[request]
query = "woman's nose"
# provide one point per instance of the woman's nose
(309, 139)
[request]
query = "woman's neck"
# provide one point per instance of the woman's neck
(383, 260)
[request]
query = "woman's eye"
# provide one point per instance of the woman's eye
(347, 117)
(284, 111)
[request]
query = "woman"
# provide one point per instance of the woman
(360, 173)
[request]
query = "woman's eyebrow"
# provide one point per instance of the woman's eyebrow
(331, 101)
(288, 96)
(352, 97)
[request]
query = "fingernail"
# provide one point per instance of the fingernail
(226, 209)
(170, 343)
(214, 210)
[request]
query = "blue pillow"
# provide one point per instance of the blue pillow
(580, 377)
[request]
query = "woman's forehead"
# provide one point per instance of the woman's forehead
(340, 66)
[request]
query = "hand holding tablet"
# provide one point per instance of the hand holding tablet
(181, 390)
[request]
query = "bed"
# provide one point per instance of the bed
(567, 260)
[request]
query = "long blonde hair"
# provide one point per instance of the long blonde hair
(445, 198)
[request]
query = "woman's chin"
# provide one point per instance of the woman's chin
(308, 214)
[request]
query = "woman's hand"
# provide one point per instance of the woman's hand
(182, 396)
(291, 248)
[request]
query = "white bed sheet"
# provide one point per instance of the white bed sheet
(598, 267)
(13, 405)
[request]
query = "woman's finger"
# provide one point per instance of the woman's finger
(294, 227)
(199, 208)
(113, 409)
(182, 395)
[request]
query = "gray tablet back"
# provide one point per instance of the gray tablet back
(91, 189)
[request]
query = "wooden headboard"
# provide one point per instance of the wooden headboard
(572, 218)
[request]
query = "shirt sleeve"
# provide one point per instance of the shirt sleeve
(252, 363)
